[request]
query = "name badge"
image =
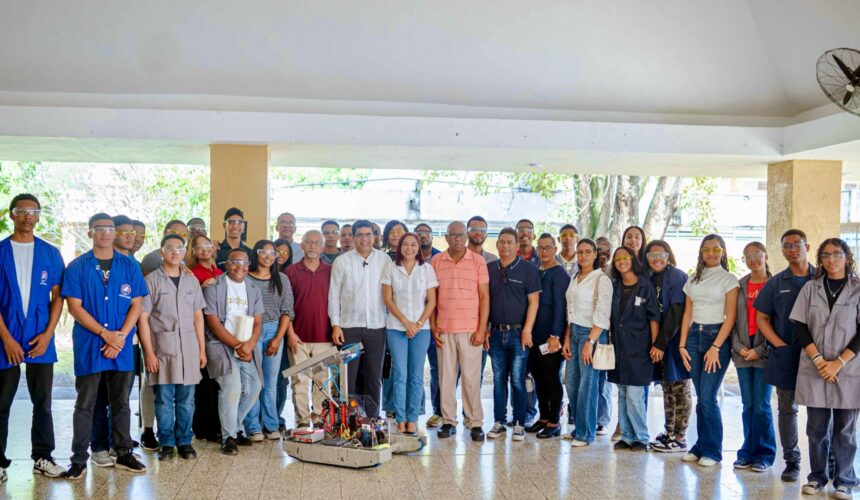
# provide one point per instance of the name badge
(638, 301)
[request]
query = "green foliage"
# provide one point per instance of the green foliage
(30, 177)
(313, 178)
(696, 199)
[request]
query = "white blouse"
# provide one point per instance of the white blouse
(581, 309)
(709, 295)
(409, 291)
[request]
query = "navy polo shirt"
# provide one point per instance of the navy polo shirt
(224, 251)
(509, 290)
(776, 299)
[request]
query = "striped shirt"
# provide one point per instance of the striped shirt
(458, 301)
(274, 306)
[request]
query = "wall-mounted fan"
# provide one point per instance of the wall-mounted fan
(838, 73)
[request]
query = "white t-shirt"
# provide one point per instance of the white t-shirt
(22, 253)
(237, 303)
(709, 295)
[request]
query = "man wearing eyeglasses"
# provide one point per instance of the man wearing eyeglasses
(425, 241)
(525, 237)
(331, 234)
(459, 328)
(234, 227)
(196, 227)
(476, 229)
(286, 227)
(568, 238)
(152, 260)
(773, 305)
(357, 311)
(230, 349)
(514, 293)
(103, 290)
(31, 272)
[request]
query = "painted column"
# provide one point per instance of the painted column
(239, 177)
(805, 195)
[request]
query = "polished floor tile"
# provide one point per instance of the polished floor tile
(445, 469)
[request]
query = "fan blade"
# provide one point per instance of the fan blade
(845, 69)
(857, 73)
(847, 98)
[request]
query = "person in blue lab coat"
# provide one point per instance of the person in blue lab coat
(31, 272)
(104, 290)
(633, 329)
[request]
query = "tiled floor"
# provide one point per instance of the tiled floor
(453, 468)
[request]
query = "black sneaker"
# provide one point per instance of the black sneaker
(75, 471)
(621, 445)
(165, 453)
(791, 472)
(127, 461)
(148, 440)
(447, 431)
(187, 452)
(477, 434)
(228, 447)
(672, 445)
(662, 438)
(242, 439)
(638, 446)
(536, 427)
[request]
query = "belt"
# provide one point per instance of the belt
(505, 328)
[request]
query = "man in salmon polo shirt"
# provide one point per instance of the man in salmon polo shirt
(459, 328)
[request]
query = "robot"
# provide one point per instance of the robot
(348, 437)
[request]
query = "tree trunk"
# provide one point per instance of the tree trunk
(584, 204)
(626, 209)
(603, 190)
(662, 207)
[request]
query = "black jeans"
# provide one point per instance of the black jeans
(117, 384)
(546, 370)
(40, 380)
(373, 342)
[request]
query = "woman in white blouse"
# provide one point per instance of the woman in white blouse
(589, 304)
(709, 317)
(409, 290)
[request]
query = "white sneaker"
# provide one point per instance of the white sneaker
(576, 443)
(707, 462)
(498, 430)
(689, 457)
(274, 435)
(602, 430)
(519, 433)
(811, 488)
(256, 437)
(843, 492)
(48, 468)
(102, 459)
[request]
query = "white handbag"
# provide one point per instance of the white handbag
(603, 357)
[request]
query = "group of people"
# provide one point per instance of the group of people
(209, 326)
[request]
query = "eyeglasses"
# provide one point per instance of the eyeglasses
(568, 234)
(103, 229)
(424, 232)
(713, 250)
(359, 236)
(171, 249)
(263, 251)
(397, 231)
(199, 228)
(546, 248)
(205, 246)
(127, 232)
(286, 252)
(504, 272)
(787, 247)
(34, 212)
(525, 230)
(234, 222)
(178, 232)
(657, 255)
(238, 262)
(456, 235)
(833, 256)
(481, 230)
(331, 232)
(377, 232)
(287, 224)
(315, 243)
(752, 256)
(622, 258)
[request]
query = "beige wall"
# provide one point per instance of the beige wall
(802, 194)
(239, 177)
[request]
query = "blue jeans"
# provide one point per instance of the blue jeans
(264, 413)
(174, 410)
(582, 383)
(509, 361)
(434, 379)
(239, 391)
(633, 413)
(604, 400)
(281, 391)
(407, 372)
(759, 438)
(709, 421)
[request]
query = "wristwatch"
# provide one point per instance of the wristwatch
(592, 342)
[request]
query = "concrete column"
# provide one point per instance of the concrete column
(239, 177)
(805, 195)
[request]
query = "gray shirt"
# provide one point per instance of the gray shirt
(151, 262)
(275, 306)
(221, 359)
(298, 253)
(171, 323)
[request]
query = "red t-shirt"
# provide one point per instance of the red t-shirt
(310, 294)
(202, 274)
(752, 293)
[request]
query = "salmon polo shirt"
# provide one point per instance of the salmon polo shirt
(457, 299)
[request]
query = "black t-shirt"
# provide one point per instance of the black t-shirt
(626, 293)
(175, 280)
(833, 288)
(104, 267)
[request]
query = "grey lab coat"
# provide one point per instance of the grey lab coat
(220, 358)
(740, 334)
(171, 323)
(831, 332)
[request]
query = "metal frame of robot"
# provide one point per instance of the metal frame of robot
(344, 456)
